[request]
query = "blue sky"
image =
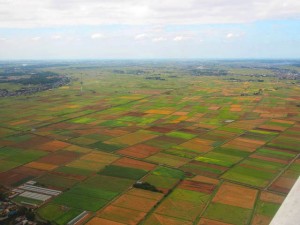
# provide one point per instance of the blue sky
(102, 29)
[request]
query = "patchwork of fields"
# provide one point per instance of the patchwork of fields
(217, 157)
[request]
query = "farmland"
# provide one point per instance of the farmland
(215, 149)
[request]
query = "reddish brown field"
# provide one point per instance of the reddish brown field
(122, 215)
(271, 197)
(199, 145)
(261, 220)
(139, 151)
(236, 195)
(160, 129)
(59, 158)
(127, 162)
(134, 202)
(145, 194)
(256, 156)
(28, 171)
(115, 132)
(197, 186)
(272, 128)
(33, 142)
(282, 184)
(53, 146)
(9, 178)
(41, 166)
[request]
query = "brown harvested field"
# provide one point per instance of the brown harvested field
(53, 146)
(145, 194)
(169, 139)
(134, 138)
(199, 145)
(87, 165)
(41, 166)
(282, 184)
(256, 156)
(180, 113)
(236, 195)
(122, 215)
(160, 129)
(247, 147)
(272, 128)
(33, 142)
(135, 202)
(9, 178)
(214, 107)
(261, 220)
(283, 121)
(59, 157)
(204, 179)
(271, 197)
(251, 141)
(258, 168)
(75, 148)
(101, 221)
(127, 162)
(156, 219)
(139, 151)
(204, 221)
(115, 132)
(197, 186)
(246, 124)
(28, 171)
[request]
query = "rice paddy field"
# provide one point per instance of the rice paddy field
(216, 156)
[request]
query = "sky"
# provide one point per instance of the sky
(149, 29)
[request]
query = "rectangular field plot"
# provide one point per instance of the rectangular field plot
(121, 215)
(82, 202)
(254, 172)
(139, 151)
(266, 207)
(134, 138)
(228, 214)
(123, 172)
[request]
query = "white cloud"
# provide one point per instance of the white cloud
(159, 39)
(140, 36)
(97, 36)
(181, 38)
(56, 13)
(234, 35)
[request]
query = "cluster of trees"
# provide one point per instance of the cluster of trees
(146, 186)
(208, 72)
